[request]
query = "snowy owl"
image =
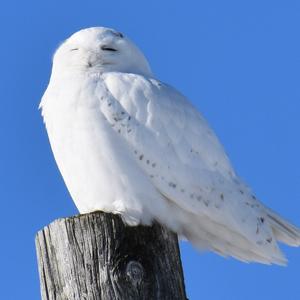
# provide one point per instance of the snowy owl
(132, 145)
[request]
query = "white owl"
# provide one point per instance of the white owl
(129, 144)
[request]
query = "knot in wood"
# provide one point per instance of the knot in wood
(135, 272)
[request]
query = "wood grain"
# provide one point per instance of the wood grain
(96, 256)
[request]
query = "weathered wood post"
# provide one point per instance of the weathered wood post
(96, 257)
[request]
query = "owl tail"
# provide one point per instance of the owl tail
(283, 230)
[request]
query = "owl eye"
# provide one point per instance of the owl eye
(107, 48)
(74, 49)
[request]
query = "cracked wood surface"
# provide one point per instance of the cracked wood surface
(96, 257)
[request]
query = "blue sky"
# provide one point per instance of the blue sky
(237, 61)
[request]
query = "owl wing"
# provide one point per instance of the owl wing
(175, 147)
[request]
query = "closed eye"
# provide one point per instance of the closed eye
(107, 48)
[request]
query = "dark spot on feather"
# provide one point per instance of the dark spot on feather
(269, 240)
(206, 203)
(153, 165)
(117, 119)
(222, 196)
(119, 34)
(141, 157)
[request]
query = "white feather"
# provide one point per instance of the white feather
(129, 144)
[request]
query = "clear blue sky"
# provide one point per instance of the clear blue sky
(237, 61)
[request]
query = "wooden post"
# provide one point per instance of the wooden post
(96, 257)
